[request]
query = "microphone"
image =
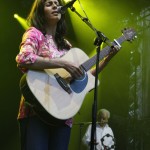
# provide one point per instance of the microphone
(62, 9)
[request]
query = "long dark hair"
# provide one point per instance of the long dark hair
(36, 18)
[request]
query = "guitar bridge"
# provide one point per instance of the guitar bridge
(63, 83)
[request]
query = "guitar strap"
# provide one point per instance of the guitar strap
(31, 100)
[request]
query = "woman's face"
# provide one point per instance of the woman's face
(50, 10)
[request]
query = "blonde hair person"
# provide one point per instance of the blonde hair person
(104, 134)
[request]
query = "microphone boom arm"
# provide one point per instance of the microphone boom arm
(99, 34)
(98, 41)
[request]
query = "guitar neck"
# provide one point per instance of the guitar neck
(87, 65)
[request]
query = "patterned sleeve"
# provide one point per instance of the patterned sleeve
(28, 48)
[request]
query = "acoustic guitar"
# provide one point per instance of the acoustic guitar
(53, 90)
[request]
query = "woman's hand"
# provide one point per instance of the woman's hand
(75, 71)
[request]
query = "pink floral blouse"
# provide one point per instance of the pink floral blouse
(34, 44)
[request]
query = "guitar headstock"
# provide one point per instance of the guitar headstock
(129, 34)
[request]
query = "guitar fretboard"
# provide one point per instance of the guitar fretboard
(103, 53)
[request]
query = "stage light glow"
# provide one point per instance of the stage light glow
(15, 15)
(66, 1)
(22, 21)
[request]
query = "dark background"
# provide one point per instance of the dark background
(124, 83)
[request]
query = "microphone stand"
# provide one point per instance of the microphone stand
(98, 41)
(81, 125)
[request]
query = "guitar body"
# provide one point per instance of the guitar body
(52, 97)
